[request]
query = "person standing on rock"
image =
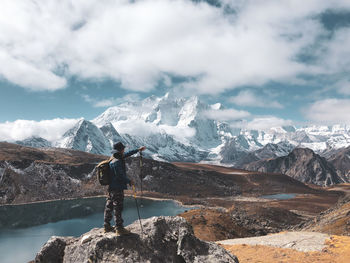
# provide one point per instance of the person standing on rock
(116, 189)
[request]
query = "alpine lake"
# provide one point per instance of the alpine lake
(24, 229)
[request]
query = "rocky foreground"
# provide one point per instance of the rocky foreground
(165, 239)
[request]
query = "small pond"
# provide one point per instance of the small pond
(279, 196)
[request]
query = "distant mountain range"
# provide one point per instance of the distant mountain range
(301, 164)
(180, 129)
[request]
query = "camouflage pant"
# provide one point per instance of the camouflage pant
(114, 202)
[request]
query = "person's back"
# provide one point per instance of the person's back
(119, 180)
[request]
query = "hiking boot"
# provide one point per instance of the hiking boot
(121, 231)
(108, 228)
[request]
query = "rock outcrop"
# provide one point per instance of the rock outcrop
(301, 164)
(165, 239)
(341, 161)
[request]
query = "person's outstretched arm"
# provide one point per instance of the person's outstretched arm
(132, 152)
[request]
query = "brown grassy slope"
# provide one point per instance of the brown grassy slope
(336, 251)
(237, 222)
(213, 225)
(251, 183)
(335, 220)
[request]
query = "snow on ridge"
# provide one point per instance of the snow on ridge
(178, 128)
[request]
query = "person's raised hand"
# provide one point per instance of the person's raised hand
(142, 148)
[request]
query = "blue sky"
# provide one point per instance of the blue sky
(285, 60)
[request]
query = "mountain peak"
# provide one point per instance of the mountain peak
(85, 136)
(303, 150)
(302, 164)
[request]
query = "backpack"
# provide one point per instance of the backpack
(104, 172)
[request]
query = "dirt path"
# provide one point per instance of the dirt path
(301, 241)
(326, 249)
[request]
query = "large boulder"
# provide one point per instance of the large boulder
(164, 239)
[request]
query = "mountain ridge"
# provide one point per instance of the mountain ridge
(302, 164)
(180, 129)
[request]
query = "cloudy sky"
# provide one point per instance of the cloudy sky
(279, 61)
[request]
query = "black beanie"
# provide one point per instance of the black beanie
(118, 146)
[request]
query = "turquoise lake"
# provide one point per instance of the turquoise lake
(21, 238)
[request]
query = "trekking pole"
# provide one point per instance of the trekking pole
(137, 207)
(140, 175)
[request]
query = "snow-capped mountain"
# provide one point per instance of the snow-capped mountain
(160, 146)
(185, 121)
(180, 129)
(167, 115)
(85, 136)
(36, 142)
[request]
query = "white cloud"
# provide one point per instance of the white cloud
(50, 130)
(135, 127)
(103, 103)
(248, 98)
(336, 57)
(226, 114)
(342, 86)
(262, 123)
(181, 133)
(329, 111)
(140, 42)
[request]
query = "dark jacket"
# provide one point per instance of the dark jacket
(119, 179)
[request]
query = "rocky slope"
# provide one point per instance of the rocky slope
(335, 221)
(166, 239)
(301, 164)
(202, 182)
(29, 174)
(218, 224)
(341, 161)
